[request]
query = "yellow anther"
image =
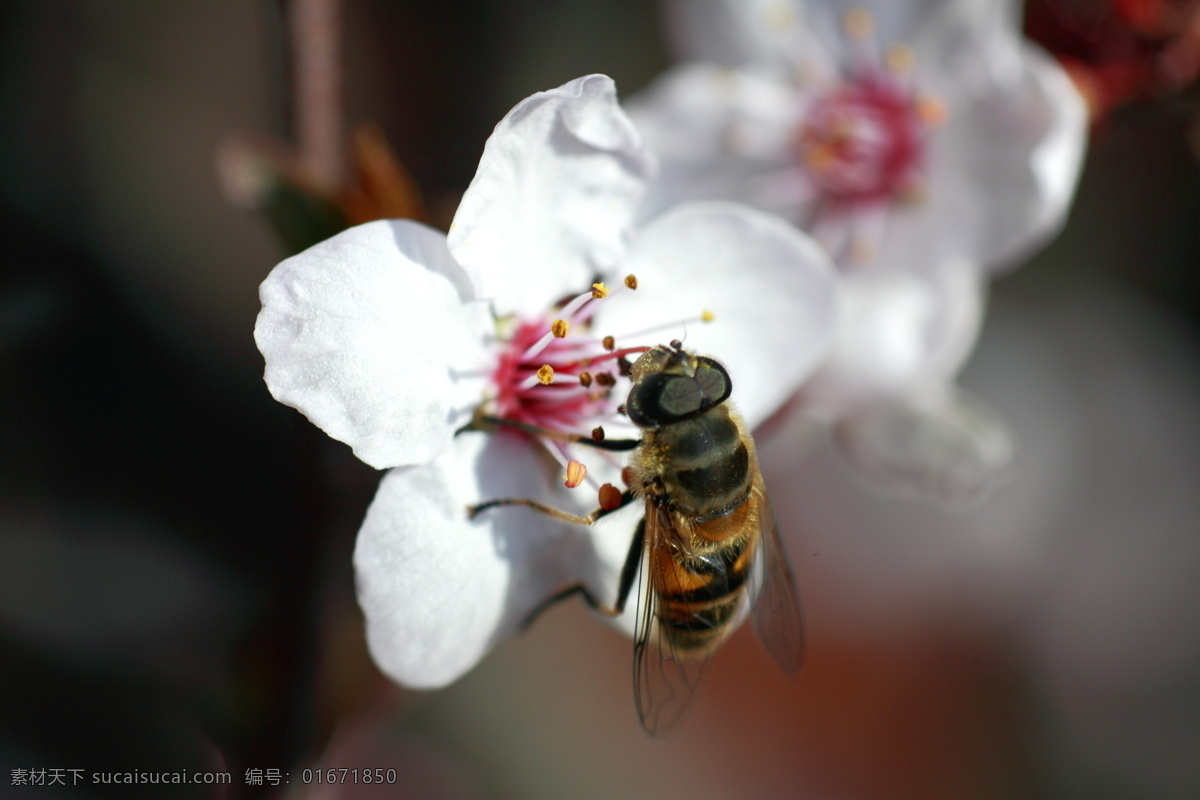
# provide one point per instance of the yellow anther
(609, 342)
(599, 291)
(631, 281)
(819, 157)
(559, 328)
(913, 191)
(931, 110)
(576, 472)
(585, 379)
(707, 316)
(545, 374)
(858, 23)
(862, 250)
(779, 16)
(900, 58)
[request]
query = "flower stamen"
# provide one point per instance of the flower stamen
(619, 354)
(576, 472)
(610, 497)
(931, 110)
(858, 23)
(554, 376)
(900, 58)
(704, 316)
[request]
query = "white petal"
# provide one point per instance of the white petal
(900, 332)
(957, 44)
(770, 33)
(439, 590)
(949, 446)
(961, 45)
(553, 198)
(718, 133)
(771, 289)
(367, 333)
(1056, 159)
(1001, 172)
(953, 38)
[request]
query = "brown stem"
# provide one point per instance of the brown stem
(315, 30)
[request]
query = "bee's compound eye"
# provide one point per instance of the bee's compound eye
(660, 399)
(680, 396)
(713, 381)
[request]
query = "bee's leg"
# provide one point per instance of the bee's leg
(484, 421)
(550, 511)
(629, 570)
(628, 573)
(541, 508)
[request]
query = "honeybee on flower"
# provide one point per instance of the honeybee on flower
(398, 340)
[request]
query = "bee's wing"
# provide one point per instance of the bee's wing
(776, 615)
(664, 680)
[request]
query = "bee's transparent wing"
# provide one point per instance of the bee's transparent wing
(776, 617)
(664, 680)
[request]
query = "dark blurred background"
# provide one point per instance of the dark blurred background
(175, 582)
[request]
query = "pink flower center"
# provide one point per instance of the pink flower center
(554, 375)
(556, 382)
(864, 141)
(577, 387)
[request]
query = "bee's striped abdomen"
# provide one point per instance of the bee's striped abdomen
(707, 585)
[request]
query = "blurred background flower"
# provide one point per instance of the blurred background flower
(175, 575)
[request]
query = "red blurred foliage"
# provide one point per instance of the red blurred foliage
(1120, 50)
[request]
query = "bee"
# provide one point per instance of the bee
(707, 546)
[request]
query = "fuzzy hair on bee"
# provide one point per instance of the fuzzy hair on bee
(707, 549)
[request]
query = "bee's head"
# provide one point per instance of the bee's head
(671, 384)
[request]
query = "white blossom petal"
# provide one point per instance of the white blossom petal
(947, 445)
(955, 38)
(362, 333)
(900, 332)
(554, 196)
(741, 32)
(719, 133)
(962, 46)
(1056, 160)
(770, 287)
(439, 590)
(1001, 173)
(958, 44)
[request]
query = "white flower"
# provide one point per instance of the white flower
(925, 145)
(393, 338)
(888, 388)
